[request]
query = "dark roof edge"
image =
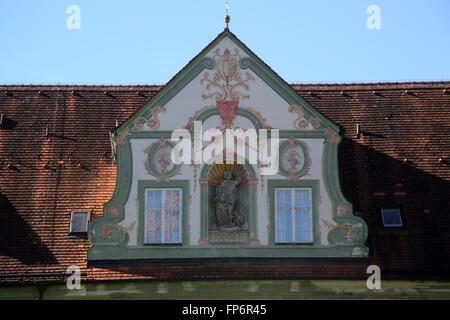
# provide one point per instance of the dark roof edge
(131, 87)
(296, 86)
(372, 85)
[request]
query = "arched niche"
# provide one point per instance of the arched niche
(210, 178)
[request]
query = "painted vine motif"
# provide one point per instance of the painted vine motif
(153, 122)
(106, 230)
(300, 122)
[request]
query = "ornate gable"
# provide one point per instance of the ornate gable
(164, 210)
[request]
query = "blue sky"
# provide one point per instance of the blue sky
(147, 42)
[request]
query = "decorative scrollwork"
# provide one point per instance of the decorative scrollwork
(153, 122)
(333, 135)
(227, 77)
(293, 108)
(315, 122)
(348, 233)
(139, 123)
(106, 230)
(123, 135)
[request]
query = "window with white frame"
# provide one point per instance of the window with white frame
(163, 216)
(391, 217)
(293, 215)
(79, 221)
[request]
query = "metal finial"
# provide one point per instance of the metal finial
(227, 17)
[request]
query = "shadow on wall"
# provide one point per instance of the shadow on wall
(18, 240)
(372, 180)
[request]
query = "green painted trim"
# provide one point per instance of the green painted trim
(330, 168)
(119, 198)
(314, 186)
(111, 253)
(239, 112)
(157, 134)
(283, 134)
(252, 215)
(180, 184)
(146, 134)
(301, 134)
(204, 192)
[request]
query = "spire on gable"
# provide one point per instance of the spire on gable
(227, 17)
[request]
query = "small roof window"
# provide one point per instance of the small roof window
(391, 217)
(79, 221)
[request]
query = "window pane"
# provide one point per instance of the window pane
(287, 198)
(153, 226)
(172, 199)
(391, 217)
(154, 199)
(158, 199)
(303, 226)
(153, 216)
(302, 198)
(303, 215)
(284, 215)
(79, 221)
(163, 216)
(284, 226)
(172, 226)
(279, 198)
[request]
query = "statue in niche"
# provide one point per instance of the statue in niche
(227, 218)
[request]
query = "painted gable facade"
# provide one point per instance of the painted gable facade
(161, 210)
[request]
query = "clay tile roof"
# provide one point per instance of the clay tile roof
(41, 181)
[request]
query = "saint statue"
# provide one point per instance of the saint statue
(227, 218)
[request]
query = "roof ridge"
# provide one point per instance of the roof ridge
(151, 86)
(431, 82)
(80, 87)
